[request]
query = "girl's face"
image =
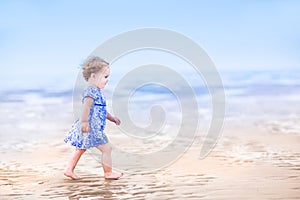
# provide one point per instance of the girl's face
(101, 78)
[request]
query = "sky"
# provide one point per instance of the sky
(44, 42)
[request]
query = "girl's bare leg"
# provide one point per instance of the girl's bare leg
(69, 172)
(107, 162)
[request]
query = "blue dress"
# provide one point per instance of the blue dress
(97, 121)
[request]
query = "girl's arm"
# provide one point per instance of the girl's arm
(111, 118)
(87, 104)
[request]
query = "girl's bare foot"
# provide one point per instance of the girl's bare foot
(71, 175)
(113, 176)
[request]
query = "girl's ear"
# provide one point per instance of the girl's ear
(93, 75)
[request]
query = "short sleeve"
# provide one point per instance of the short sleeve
(90, 92)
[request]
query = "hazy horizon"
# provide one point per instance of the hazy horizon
(44, 43)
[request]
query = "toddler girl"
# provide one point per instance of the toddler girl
(87, 131)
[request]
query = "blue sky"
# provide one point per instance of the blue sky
(43, 42)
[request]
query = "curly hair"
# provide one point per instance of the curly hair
(92, 65)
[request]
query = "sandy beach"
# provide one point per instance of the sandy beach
(262, 167)
(247, 163)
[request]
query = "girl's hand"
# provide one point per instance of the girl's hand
(85, 128)
(111, 118)
(116, 120)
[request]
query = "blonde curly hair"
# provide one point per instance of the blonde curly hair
(92, 65)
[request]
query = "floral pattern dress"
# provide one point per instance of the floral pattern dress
(97, 121)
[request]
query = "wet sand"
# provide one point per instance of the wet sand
(247, 163)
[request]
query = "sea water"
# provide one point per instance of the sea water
(271, 98)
